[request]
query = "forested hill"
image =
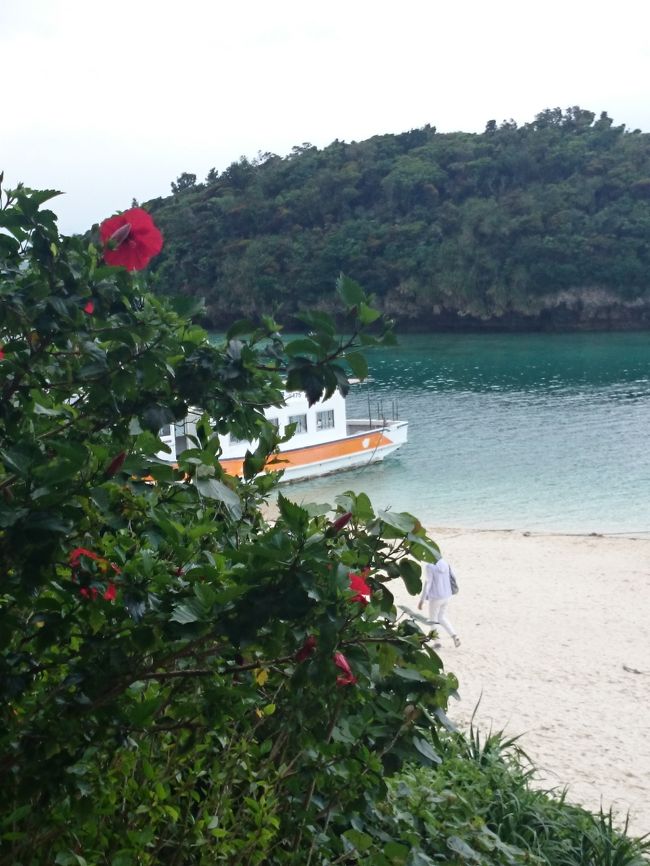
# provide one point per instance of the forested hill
(545, 225)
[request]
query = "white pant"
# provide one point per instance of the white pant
(438, 614)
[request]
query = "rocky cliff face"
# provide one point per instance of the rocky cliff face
(573, 310)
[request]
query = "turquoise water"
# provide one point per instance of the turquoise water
(539, 432)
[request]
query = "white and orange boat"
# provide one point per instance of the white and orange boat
(325, 440)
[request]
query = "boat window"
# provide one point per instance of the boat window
(325, 419)
(166, 430)
(300, 421)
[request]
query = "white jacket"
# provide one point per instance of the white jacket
(437, 583)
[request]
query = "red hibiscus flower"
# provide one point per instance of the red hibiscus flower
(307, 648)
(130, 239)
(347, 678)
(78, 552)
(360, 587)
(111, 592)
(89, 308)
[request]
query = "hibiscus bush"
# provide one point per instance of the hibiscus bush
(185, 681)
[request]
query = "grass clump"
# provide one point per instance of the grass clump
(478, 806)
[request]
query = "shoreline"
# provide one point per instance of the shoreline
(555, 650)
(638, 535)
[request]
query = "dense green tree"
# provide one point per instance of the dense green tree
(184, 181)
(501, 229)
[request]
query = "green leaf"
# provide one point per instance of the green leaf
(46, 410)
(411, 574)
(358, 840)
(358, 364)
(8, 246)
(60, 307)
(458, 846)
(205, 593)
(423, 549)
(303, 347)
(142, 713)
(296, 517)
(387, 656)
(410, 674)
(367, 315)
(349, 291)
(187, 306)
(68, 858)
(9, 515)
(425, 748)
(396, 853)
(187, 612)
(308, 379)
(124, 336)
(37, 197)
(213, 489)
(361, 507)
(155, 417)
(159, 471)
(387, 600)
(402, 521)
(18, 460)
(239, 328)
(444, 719)
(318, 320)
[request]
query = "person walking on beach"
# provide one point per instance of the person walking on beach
(437, 589)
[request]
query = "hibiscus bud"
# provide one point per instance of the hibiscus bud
(115, 465)
(119, 236)
(307, 648)
(339, 523)
(347, 678)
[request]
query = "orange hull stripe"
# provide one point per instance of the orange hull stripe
(316, 453)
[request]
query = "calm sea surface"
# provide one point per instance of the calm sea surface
(540, 432)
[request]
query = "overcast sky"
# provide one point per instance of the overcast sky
(113, 100)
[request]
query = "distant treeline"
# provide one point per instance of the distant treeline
(543, 225)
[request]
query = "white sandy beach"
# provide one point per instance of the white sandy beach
(555, 634)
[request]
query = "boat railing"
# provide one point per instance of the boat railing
(360, 425)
